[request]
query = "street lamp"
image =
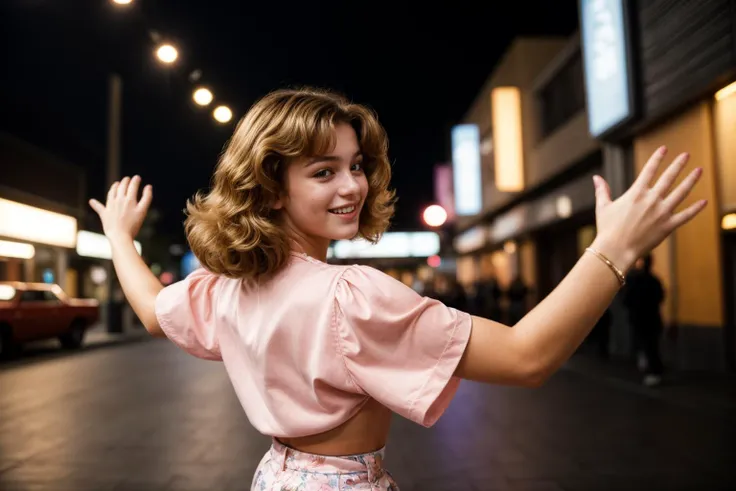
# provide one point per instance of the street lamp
(222, 114)
(434, 216)
(202, 96)
(166, 53)
(122, 2)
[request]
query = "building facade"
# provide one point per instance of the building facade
(677, 63)
(537, 212)
(640, 74)
(43, 205)
(41, 202)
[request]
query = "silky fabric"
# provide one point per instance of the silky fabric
(308, 347)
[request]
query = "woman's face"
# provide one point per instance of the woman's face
(325, 194)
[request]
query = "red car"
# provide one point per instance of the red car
(35, 311)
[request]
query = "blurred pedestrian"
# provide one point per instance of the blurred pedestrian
(488, 297)
(517, 294)
(643, 297)
(601, 334)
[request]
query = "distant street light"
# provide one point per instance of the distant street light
(222, 114)
(434, 216)
(167, 53)
(202, 96)
(122, 2)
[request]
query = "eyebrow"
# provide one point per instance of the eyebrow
(328, 158)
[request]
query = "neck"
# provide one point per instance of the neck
(316, 248)
(312, 246)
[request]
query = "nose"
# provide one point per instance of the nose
(349, 185)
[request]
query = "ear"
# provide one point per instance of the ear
(279, 202)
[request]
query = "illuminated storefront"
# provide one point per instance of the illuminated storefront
(41, 199)
(535, 163)
(410, 257)
(92, 262)
(391, 245)
(38, 245)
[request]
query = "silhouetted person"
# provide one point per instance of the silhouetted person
(455, 295)
(643, 296)
(601, 333)
(488, 299)
(517, 294)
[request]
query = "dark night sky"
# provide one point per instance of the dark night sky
(418, 67)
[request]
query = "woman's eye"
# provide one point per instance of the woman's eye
(358, 166)
(323, 173)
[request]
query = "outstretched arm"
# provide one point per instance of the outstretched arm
(122, 217)
(548, 335)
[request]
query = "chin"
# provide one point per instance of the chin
(348, 233)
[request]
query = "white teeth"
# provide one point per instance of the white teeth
(347, 209)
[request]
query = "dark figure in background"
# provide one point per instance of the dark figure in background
(601, 334)
(517, 294)
(455, 295)
(488, 295)
(643, 296)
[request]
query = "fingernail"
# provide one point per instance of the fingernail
(595, 181)
(662, 150)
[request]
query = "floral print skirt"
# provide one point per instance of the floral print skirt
(286, 469)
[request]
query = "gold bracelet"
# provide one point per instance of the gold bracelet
(619, 274)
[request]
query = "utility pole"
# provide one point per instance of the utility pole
(114, 319)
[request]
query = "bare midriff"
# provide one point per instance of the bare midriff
(365, 432)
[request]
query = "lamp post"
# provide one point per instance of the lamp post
(167, 54)
(113, 310)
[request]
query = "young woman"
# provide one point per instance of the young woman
(320, 355)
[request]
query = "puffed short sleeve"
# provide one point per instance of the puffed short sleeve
(400, 348)
(186, 313)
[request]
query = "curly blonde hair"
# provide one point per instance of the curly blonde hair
(233, 230)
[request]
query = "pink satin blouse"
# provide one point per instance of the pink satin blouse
(307, 348)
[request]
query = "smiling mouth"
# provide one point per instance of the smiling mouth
(346, 210)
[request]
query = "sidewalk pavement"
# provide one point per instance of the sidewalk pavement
(98, 335)
(95, 337)
(713, 392)
(702, 391)
(706, 391)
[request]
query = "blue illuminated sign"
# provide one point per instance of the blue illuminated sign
(466, 169)
(607, 68)
(189, 263)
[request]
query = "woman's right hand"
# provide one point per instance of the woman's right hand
(123, 213)
(644, 215)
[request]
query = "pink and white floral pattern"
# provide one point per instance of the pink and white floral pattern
(285, 469)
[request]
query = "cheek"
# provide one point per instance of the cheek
(311, 200)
